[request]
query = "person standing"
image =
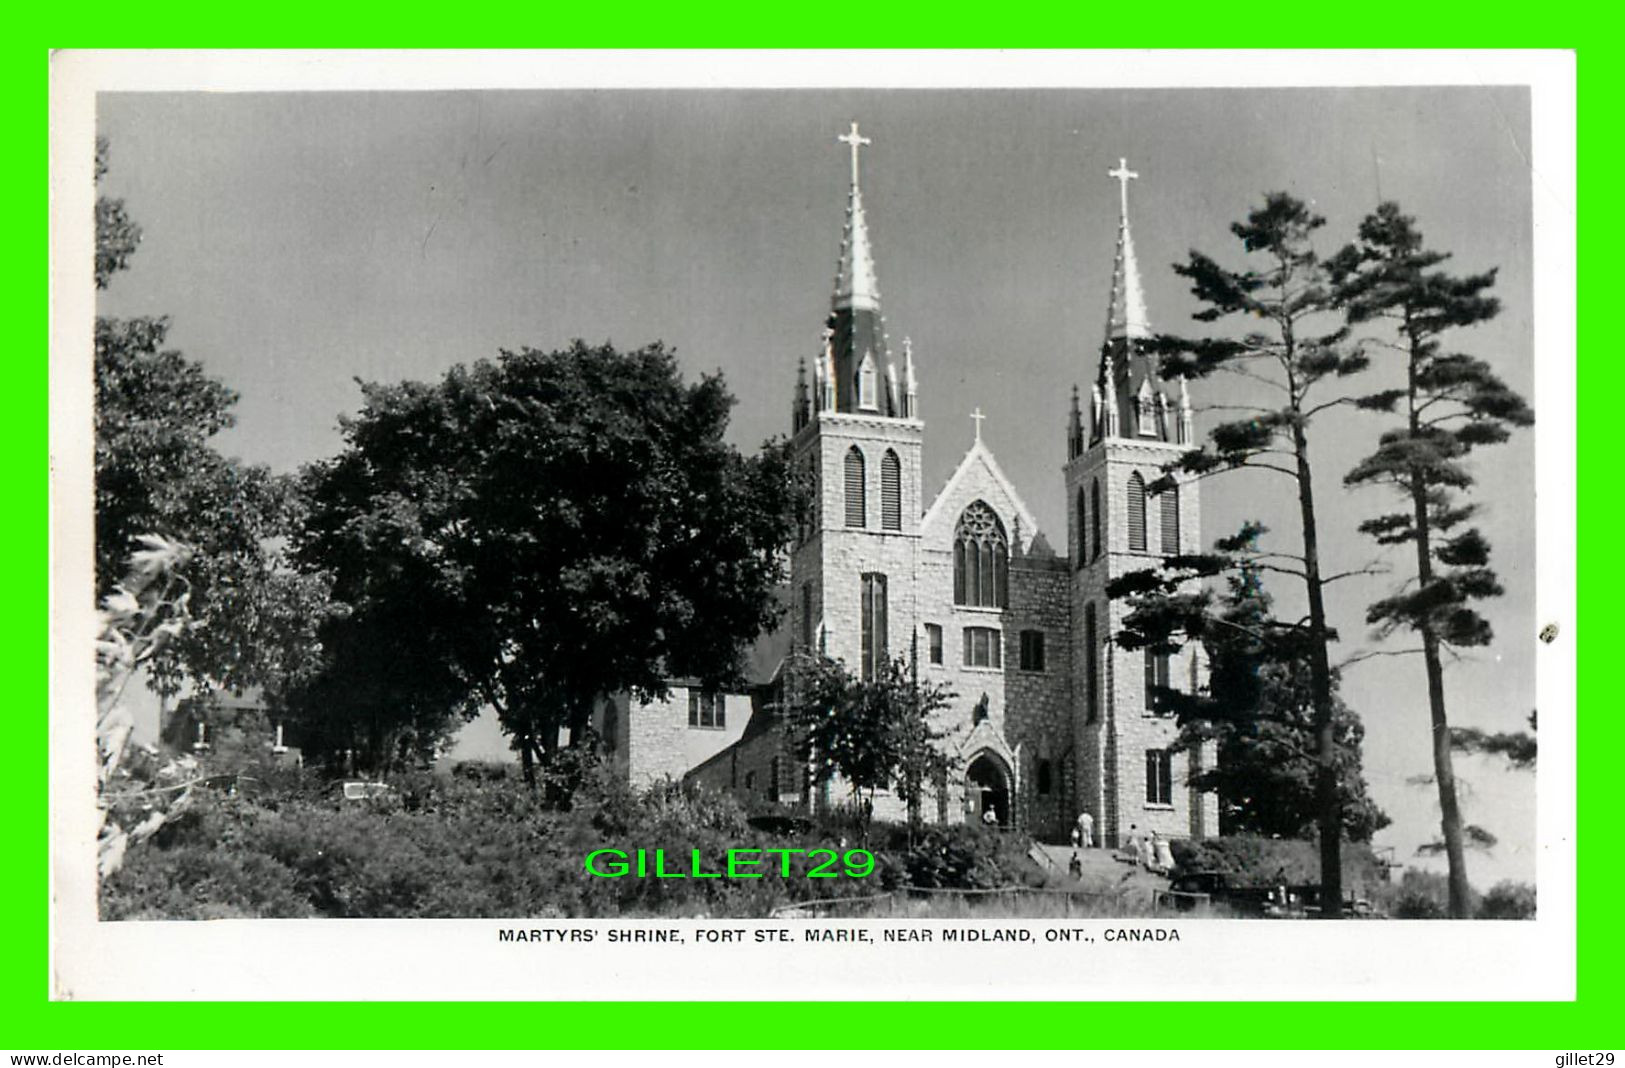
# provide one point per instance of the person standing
(1086, 830)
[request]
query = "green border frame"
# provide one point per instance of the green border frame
(33, 1021)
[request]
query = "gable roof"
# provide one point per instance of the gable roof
(981, 456)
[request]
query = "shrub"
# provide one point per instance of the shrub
(1508, 900)
(1259, 861)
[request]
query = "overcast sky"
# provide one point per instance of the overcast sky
(299, 241)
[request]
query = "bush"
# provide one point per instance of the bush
(1259, 861)
(1421, 895)
(481, 844)
(1508, 900)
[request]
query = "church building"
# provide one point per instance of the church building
(1051, 717)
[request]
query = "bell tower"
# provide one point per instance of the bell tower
(856, 446)
(1121, 519)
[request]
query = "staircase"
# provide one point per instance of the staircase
(1099, 866)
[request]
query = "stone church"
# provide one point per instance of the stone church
(1051, 718)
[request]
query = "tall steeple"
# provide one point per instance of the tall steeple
(865, 379)
(1137, 406)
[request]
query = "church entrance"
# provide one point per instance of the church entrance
(988, 789)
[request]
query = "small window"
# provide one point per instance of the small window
(1159, 777)
(857, 508)
(705, 710)
(891, 492)
(1090, 664)
(1032, 650)
(866, 383)
(806, 615)
(875, 650)
(933, 642)
(1045, 775)
(1170, 520)
(1083, 531)
(982, 647)
(1157, 671)
(1094, 520)
(750, 780)
(1136, 513)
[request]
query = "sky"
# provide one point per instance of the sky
(302, 241)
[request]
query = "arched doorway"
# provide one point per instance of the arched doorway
(988, 787)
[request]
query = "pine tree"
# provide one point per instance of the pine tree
(1451, 403)
(1292, 357)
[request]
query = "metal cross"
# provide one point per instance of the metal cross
(856, 140)
(1123, 176)
(978, 416)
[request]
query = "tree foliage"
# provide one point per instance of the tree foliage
(157, 474)
(1451, 403)
(534, 532)
(1291, 348)
(874, 733)
(1258, 704)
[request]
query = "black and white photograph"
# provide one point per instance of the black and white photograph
(796, 518)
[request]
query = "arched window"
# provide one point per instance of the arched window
(1094, 520)
(981, 559)
(857, 509)
(1083, 531)
(1091, 650)
(1136, 513)
(891, 492)
(1170, 520)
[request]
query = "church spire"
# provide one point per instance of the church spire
(865, 379)
(1128, 374)
(855, 284)
(1125, 315)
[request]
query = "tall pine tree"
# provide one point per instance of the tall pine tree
(1291, 358)
(1451, 403)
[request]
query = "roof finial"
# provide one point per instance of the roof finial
(978, 416)
(1120, 172)
(856, 140)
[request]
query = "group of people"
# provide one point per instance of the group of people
(1149, 851)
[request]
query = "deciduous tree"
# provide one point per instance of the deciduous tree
(539, 530)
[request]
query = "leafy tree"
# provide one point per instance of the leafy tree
(1451, 403)
(251, 616)
(874, 733)
(1291, 358)
(1258, 710)
(533, 532)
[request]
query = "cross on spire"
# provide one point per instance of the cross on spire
(978, 416)
(1123, 176)
(856, 140)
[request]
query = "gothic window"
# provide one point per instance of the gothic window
(875, 652)
(933, 642)
(1083, 531)
(1032, 650)
(1045, 775)
(1159, 777)
(806, 616)
(705, 709)
(867, 382)
(1156, 675)
(1090, 664)
(891, 492)
(857, 508)
(1094, 520)
(981, 559)
(1170, 520)
(982, 647)
(1136, 513)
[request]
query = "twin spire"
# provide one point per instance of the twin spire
(854, 371)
